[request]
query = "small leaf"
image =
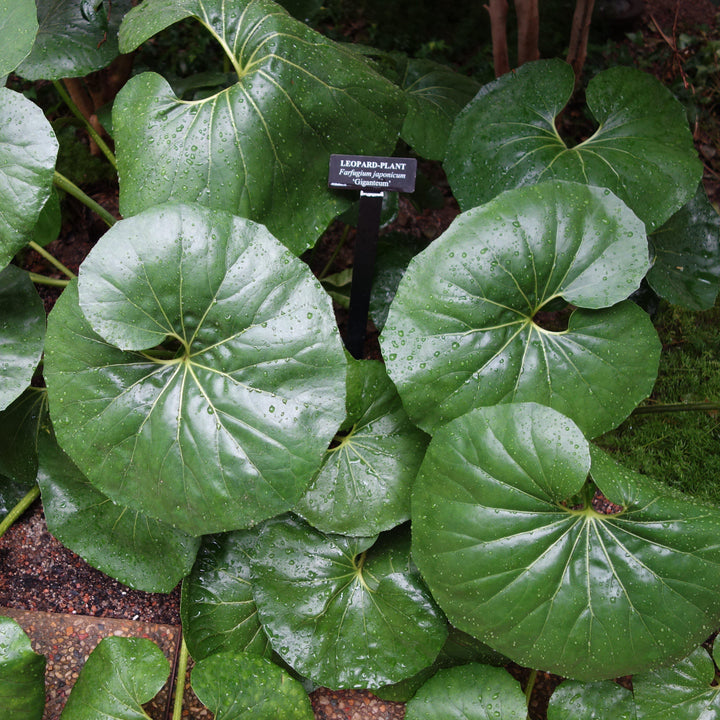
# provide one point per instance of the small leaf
(686, 267)
(230, 382)
(20, 425)
(74, 38)
(463, 329)
(18, 25)
(516, 554)
(469, 692)
(340, 612)
(642, 150)
(22, 332)
(120, 676)
(591, 701)
(238, 686)
(686, 690)
(22, 674)
(28, 150)
(217, 606)
(363, 486)
(136, 550)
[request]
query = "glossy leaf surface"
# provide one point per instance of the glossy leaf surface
(19, 427)
(591, 701)
(74, 38)
(120, 676)
(136, 550)
(238, 686)
(341, 611)
(22, 674)
(686, 266)
(217, 606)
(517, 559)
(22, 332)
(642, 149)
(469, 692)
(28, 149)
(363, 486)
(686, 691)
(18, 25)
(224, 424)
(463, 329)
(261, 147)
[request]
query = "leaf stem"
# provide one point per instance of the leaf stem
(343, 238)
(42, 280)
(180, 680)
(52, 260)
(72, 189)
(75, 110)
(19, 509)
(529, 688)
(676, 407)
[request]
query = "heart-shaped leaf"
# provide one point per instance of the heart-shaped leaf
(592, 701)
(342, 611)
(28, 150)
(642, 149)
(261, 147)
(686, 691)
(363, 486)
(22, 332)
(217, 606)
(237, 686)
(120, 675)
(464, 329)
(686, 268)
(469, 692)
(223, 424)
(19, 428)
(18, 25)
(75, 38)
(22, 674)
(516, 554)
(136, 550)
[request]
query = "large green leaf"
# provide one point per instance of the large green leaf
(342, 611)
(127, 545)
(120, 675)
(217, 606)
(463, 329)
(224, 424)
(28, 149)
(261, 147)
(686, 268)
(237, 686)
(515, 557)
(19, 428)
(642, 150)
(75, 37)
(469, 692)
(685, 691)
(593, 701)
(22, 332)
(363, 486)
(22, 674)
(18, 25)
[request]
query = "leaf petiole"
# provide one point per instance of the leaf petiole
(72, 189)
(52, 260)
(19, 509)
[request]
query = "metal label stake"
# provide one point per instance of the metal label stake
(373, 176)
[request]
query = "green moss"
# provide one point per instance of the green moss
(681, 449)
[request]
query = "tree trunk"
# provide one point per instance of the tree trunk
(497, 10)
(528, 18)
(579, 36)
